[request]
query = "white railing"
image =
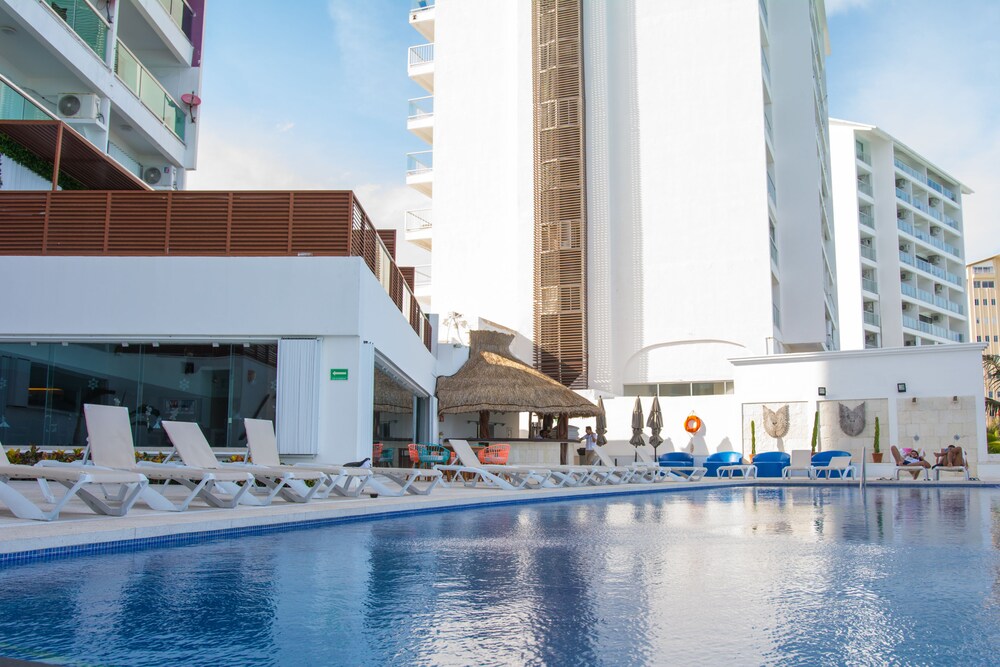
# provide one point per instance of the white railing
(421, 275)
(419, 220)
(421, 55)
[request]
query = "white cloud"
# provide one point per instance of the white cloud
(284, 127)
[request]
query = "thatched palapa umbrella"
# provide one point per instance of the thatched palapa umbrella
(492, 380)
(602, 423)
(637, 438)
(389, 396)
(655, 424)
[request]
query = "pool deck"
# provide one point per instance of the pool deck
(78, 530)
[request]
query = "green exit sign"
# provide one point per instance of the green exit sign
(338, 373)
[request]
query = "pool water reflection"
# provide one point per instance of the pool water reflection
(745, 575)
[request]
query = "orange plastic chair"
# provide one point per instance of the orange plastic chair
(376, 452)
(495, 454)
(414, 454)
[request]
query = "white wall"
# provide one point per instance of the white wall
(847, 238)
(483, 260)
(335, 299)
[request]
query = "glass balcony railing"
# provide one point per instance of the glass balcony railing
(153, 96)
(417, 5)
(85, 21)
(864, 156)
(421, 107)
(928, 239)
(904, 195)
(867, 219)
(763, 10)
(868, 252)
(765, 64)
(776, 316)
(419, 220)
(419, 163)
(774, 252)
(15, 105)
(771, 190)
(950, 221)
(871, 318)
(869, 285)
(926, 180)
(181, 14)
(866, 187)
(927, 297)
(923, 265)
(932, 329)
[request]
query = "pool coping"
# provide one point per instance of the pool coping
(132, 534)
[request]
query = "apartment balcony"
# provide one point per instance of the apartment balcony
(871, 318)
(180, 14)
(863, 155)
(925, 180)
(868, 252)
(929, 239)
(131, 72)
(930, 268)
(422, 15)
(772, 191)
(420, 120)
(867, 219)
(420, 65)
(866, 188)
(869, 285)
(85, 21)
(420, 172)
(418, 228)
(932, 329)
(930, 298)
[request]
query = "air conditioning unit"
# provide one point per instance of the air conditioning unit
(907, 307)
(904, 247)
(904, 276)
(79, 107)
(938, 289)
(934, 201)
(909, 343)
(935, 318)
(160, 177)
(900, 182)
(935, 231)
(934, 259)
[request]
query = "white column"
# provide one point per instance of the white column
(345, 405)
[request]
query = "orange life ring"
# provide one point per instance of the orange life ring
(692, 424)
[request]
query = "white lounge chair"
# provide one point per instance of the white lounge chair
(801, 461)
(195, 451)
(672, 473)
(472, 472)
(962, 469)
(77, 481)
(838, 464)
(624, 474)
(110, 436)
(263, 447)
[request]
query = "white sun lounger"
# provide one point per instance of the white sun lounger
(838, 464)
(624, 474)
(801, 461)
(352, 481)
(195, 451)
(110, 436)
(78, 482)
(471, 472)
(671, 473)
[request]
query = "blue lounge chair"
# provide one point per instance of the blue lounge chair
(770, 464)
(718, 459)
(824, 463)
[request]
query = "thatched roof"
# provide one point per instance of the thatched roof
(389, 396)
(492, 379)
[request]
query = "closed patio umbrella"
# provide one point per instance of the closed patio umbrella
(602, 423)
(637, 439)
(655, 424)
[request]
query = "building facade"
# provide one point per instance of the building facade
(125, 75)
(984, 313)
(900, 243)
(640, 188)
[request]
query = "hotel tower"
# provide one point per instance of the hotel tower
(640, 188)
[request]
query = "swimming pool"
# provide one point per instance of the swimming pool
(798, 575)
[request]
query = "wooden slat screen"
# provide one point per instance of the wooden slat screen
(560, 284)
(228, 224)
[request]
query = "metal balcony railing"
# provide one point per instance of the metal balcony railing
(421, 55)
(419, 163)
(85, 21)
(153, 96)
(419, 220)
(181, 14)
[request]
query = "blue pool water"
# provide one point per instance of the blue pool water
(729, 576)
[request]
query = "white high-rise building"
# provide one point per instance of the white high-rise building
(124, 74)
(900, 243)
(641, 188)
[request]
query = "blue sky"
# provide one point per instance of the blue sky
(316, 96)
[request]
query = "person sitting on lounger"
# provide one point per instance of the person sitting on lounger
(913, 457)
(949, 457)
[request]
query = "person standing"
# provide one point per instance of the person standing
(589, 441)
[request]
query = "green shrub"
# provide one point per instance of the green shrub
(753, 440)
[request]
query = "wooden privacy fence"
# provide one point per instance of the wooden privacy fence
(214, 224)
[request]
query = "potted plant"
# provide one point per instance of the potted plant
(876, 452)
(815, 437)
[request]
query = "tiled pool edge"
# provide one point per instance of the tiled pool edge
(264, 524)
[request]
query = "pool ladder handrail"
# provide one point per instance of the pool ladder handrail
(864, 473)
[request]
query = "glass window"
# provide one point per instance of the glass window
(675, 389)
(44, 387)
(640, 390)
(708, 388)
